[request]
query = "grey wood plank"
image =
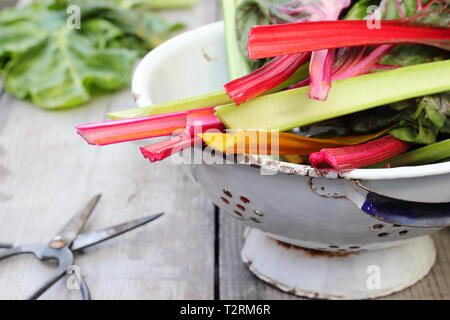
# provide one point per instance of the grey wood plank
(207, 11)
(7, 3)
(47, 172)
(436, 285)
(236, 281)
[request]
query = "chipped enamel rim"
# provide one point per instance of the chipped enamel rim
(141, 81)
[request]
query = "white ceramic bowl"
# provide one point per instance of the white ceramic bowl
(364, 209)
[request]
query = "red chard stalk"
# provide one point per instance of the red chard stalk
(272, 74)
(274, 40)
(161, 150)
(355, 62)
(115, 131)
(362, 155)
(322, 61)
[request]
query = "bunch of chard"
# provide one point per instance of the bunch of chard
(380, 72)
(421, 119)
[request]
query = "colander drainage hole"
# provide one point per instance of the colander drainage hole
(377, 226)
(244, 199)
(334, 247)
(225, 200)
(403, 232)
(258, 213)
(353, 247)
(240, 207)
(238, 213)
(383, 234)
(227, 193)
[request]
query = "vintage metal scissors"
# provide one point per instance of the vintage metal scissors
(68, 241)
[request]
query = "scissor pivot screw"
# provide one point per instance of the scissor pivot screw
(58, 243)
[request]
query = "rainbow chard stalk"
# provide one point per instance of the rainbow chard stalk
(115, 131)
(361, 60)
(197, 121)
(275, 40)
(429, 154)
(348, 158)
(292, 108)
(322, 61)
(320, 73)
(161, 150)
(267, 77)
(354, 62)
(255, 12)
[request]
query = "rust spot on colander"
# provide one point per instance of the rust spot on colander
(136, 96)
(207, 56)
(298, 292)
(315, 253)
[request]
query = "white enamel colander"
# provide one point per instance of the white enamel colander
(313, 233)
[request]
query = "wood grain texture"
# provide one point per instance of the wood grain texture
(47, 173)
(7, 3)
(237, 282)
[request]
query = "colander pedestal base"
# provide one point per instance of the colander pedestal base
(337, 275)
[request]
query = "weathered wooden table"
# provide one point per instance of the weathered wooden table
(47, 172)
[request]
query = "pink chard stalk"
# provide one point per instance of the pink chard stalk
(185, 123)
(281, 68)
(324, 37)
(322, 61)
(352, 62)
(272, 74)
(362, 155)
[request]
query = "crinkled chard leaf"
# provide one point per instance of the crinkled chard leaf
(57, 67)
(418, 120)
(407, 55)
(251, 13)
(389, 9)
(64, 71)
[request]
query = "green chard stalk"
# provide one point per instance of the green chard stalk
(429, 154)
(171, 4)
(237, 64)
(213, 99)
(289, 109)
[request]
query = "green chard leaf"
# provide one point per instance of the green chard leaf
(389, 9)
(248, 14)
(57, 67)
(407, 55)
(251, 13)
(65, 69)
(418, 120)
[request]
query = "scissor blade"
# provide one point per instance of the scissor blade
(89, 239)
(71, 230)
